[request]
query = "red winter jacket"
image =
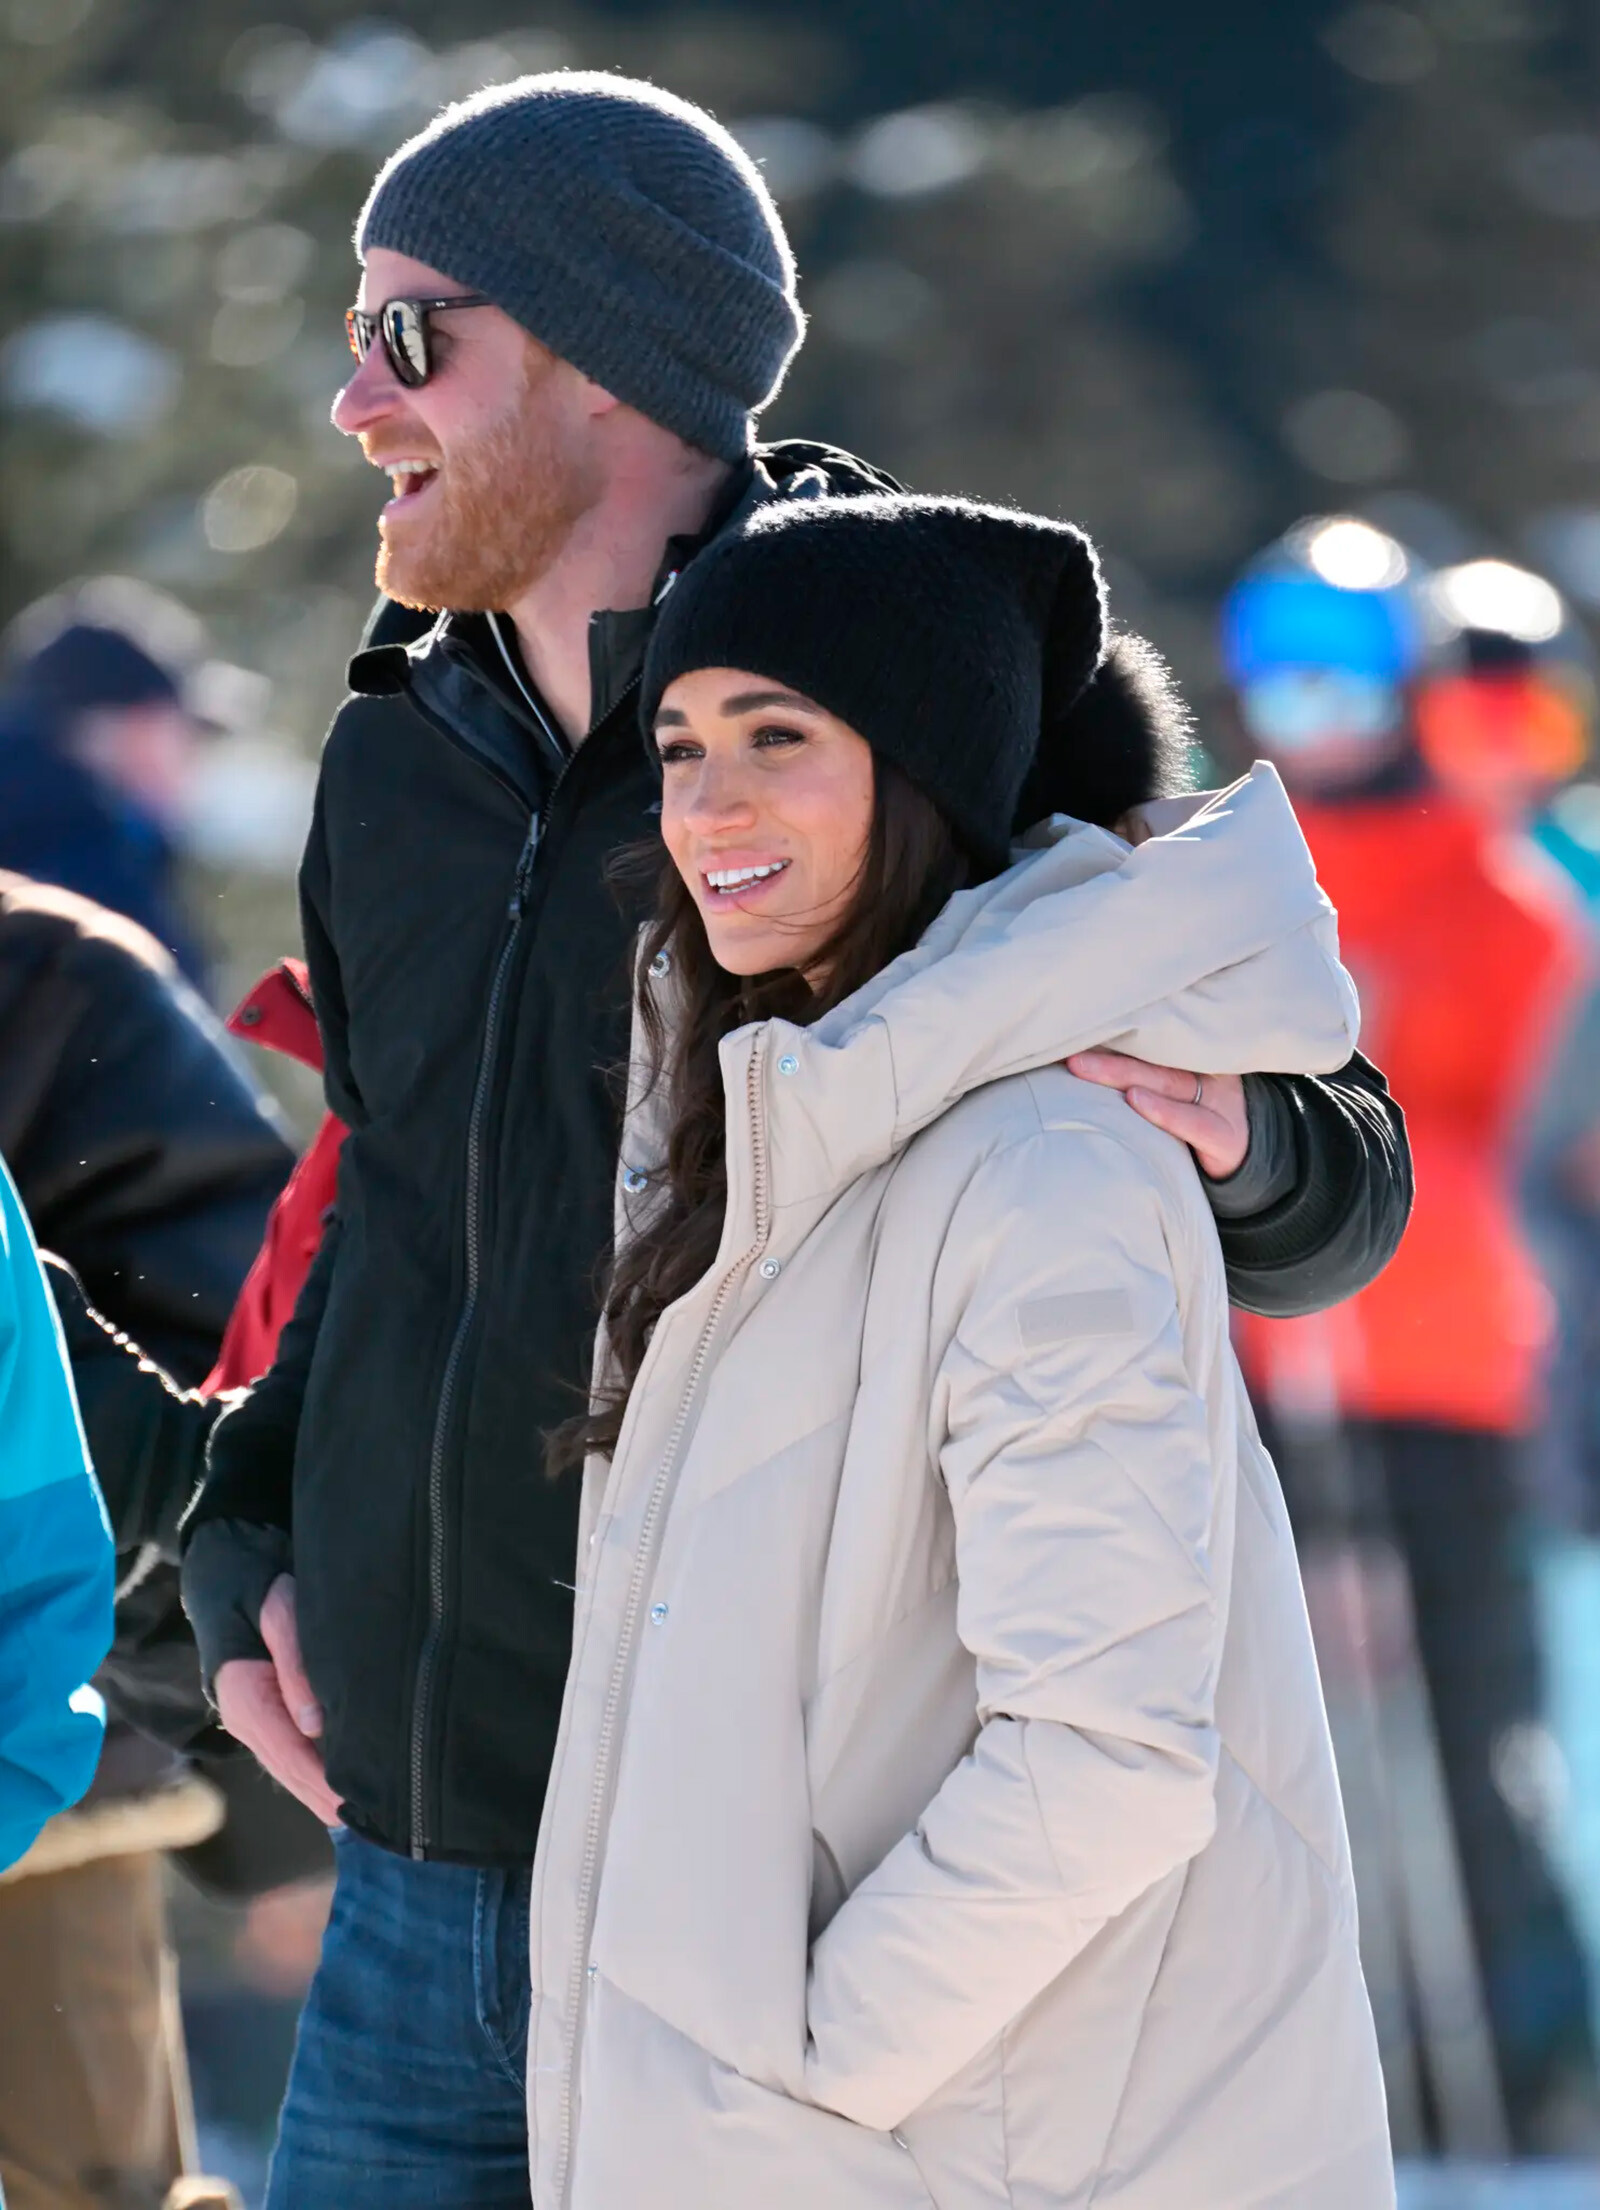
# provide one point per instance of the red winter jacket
(278, 1013)
(1467, 950)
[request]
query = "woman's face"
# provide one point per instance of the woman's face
(766, 808)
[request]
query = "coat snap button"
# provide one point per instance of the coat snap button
(658, 1613)
(771, 1268)
(788, 1064)
(660, 965)
(634, 1180)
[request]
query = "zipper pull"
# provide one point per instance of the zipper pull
(524, 875)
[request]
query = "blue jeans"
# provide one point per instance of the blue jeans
(407, 2088)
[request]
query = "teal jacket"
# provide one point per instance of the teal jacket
(56, 1569)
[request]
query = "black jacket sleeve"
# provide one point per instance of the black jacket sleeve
(227, 1571)
(145, 1155)
(1340, 1222)
(250, 1457)
(250, 1464)
(147, 1437)
(238, 1533)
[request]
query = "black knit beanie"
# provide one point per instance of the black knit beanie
(941, 631)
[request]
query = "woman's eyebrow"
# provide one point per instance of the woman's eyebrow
(668, 717)
(750, 702)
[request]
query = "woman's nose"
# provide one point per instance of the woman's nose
(720, 798)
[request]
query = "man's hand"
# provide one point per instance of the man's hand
(1216, 1127)
(271, 1710)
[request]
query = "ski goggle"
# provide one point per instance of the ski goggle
(401, 327)
(1526, 724)
(1293, 709)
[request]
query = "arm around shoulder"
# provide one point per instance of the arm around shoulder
(1341, 1218)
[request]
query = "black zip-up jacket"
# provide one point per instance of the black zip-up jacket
(470, 965)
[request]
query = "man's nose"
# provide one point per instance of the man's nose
(372, 393)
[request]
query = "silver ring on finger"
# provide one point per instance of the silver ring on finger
(1199, 1090)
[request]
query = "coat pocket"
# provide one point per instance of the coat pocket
(828, 1890)
(664, 2123)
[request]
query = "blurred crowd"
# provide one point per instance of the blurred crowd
(1427, 726)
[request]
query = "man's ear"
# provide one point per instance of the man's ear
(596, 401)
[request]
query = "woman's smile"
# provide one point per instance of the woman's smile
(735, 879)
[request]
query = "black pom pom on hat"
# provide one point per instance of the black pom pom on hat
(1121, 740)
(944, 632)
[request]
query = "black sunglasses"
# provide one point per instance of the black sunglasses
(402, 326)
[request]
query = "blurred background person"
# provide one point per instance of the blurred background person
(1504, 698)
(99, 741)
(278, 1015)
(1468, 954)
(1505, 714)
(148, 1162)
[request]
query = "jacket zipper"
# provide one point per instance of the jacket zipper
(622, 1662)
(422, 1701)
(427, 1662)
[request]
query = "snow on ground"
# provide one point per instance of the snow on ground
(1527, 2187)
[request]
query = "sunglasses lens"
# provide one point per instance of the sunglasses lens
(358, 329)
(406, 333)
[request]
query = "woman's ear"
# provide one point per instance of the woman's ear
(1124, 741)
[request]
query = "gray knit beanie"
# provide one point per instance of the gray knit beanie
(626, 229)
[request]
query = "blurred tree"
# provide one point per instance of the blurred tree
(1179, 275)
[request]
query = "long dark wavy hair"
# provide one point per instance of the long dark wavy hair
(913, 863)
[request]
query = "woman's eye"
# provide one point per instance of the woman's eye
(680, 749)
(775, 739)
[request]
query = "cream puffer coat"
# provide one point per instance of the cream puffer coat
(943, 1811)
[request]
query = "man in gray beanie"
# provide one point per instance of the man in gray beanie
(576, 299)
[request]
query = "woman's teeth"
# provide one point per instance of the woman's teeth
(740, 878)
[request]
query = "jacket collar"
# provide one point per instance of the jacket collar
(279, 1013)
(462, 671)
(1208, 946)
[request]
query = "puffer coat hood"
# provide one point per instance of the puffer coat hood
(943, 1811)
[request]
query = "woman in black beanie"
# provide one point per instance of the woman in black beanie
(942, 1707)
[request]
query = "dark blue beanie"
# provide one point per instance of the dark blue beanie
(624, 228)
(87, 665)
